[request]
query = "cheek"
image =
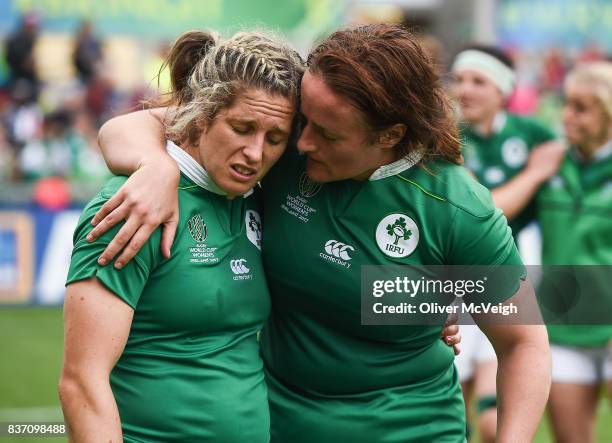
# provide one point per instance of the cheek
(598, 123)
(272, 156)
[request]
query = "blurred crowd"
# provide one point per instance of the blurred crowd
(49, 129)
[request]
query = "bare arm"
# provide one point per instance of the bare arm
(513, 196)
(523, 376)
(96, 328)
(132, 140)
(134, 144)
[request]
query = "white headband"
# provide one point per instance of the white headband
(501, 75)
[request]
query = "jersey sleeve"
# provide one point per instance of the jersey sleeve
(482, 246)
(128, 282)
(539, 133)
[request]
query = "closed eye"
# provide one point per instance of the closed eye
(241, 129)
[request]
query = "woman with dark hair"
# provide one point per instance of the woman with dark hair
(380, 184)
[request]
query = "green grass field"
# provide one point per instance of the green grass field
(31, 355)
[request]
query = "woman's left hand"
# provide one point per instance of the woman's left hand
(451, 334)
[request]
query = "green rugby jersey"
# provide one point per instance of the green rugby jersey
(575, 214)
(330, 379)
(191, 369)
(498, 157)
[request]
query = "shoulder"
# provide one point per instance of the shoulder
(84, 224)
(453, 186)
(530, 127)
(105, 193)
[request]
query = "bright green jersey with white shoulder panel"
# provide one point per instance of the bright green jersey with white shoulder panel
(191, 369)
(497, 158)
(330, 378)
(575, 214)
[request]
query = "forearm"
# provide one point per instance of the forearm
(515, 195)
(523, 384)
(90, 410)
(129, 140)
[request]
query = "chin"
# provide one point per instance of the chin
(318, 173)
(573, 138)
(472, 118)
(235, 189)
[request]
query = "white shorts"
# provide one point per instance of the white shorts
(581, 365)
(475, 349)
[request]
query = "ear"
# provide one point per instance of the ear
(390, 137)
(201, 124)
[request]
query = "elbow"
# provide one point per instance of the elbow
(103, 135)
(75, 386)
(532, 349)
(69, 388)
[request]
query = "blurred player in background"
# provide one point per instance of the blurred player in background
(512, 156)
(575, 214)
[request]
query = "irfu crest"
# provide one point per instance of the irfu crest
(399, 230)
(397, 235)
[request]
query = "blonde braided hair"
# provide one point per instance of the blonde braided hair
(207, 75)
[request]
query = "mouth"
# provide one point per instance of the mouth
(243, 173)
(314, 160)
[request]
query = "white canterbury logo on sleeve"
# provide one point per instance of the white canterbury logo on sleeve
(238, 266)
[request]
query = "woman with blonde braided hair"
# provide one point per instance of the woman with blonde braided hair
(166, 350)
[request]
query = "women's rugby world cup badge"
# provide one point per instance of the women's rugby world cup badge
(197, 228)
(308, 187)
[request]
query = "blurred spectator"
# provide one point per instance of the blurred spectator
(23, 118)
(591, 52)
(6, 156)
(553, 70)
(87, 53)
(20, 56)
(100, 99)
(60, 152)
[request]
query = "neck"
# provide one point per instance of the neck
(194, 152)
(485, 126)
(386, 159)
(589, 149)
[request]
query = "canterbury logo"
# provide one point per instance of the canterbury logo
(338, 249)
(238, 266)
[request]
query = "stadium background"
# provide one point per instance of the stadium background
(40, 200)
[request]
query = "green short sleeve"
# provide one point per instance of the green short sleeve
(483, 246)
(128, 282)
(539, 133)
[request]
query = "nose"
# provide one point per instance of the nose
(463, 88)
(305, 143)
(253, 151)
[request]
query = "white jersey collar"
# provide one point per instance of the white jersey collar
(499, 121)
(604, 152)
(193, 170)
(397, 167)
(600, 154)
